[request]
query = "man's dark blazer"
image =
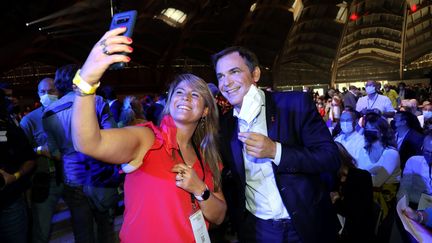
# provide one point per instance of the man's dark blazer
(349, 99)
(307, 152)
(411, 145)
(115, 109)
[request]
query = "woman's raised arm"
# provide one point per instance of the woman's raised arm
(110, 145)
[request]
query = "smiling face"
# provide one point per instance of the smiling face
(235, 78)
(187, 104)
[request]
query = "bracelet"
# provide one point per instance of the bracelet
(79, 92)
(204, 195)
(83, 86)
(17, 175)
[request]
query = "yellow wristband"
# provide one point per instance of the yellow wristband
(85, 87)
(17, 175)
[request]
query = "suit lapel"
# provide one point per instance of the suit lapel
(271, 116)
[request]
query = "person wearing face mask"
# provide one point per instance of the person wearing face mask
(409, 135)
(417, 177)
(426, 113)
(335, 111)
(373, 100)
(381, 159)
(349, 137)
(47, 187)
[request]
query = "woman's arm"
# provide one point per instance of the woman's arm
(110, 145)
(214, 208)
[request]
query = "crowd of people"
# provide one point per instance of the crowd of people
(274, 166)
(382, 130)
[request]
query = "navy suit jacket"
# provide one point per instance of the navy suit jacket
(410, 146)
(308, 151)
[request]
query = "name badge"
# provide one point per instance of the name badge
(3, 137)
(199, 227)
(425, 201)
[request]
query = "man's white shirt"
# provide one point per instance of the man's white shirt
(262, 195)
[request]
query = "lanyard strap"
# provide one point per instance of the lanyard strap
(202, 167)
(371, 107)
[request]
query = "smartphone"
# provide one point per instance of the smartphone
(127, 19)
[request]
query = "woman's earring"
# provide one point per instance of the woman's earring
(203, 121)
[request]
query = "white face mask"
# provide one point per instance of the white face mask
(47, 99)
(251, 105)
(370, 90)
(427, 114)
(346, 127)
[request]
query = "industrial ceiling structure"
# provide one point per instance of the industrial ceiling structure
(298, 42)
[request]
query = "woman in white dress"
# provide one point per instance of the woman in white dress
(381, 159)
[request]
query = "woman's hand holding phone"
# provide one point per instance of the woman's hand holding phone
(100, 57)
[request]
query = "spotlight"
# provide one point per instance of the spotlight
(27, 24)
(40, 29)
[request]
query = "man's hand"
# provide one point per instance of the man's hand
(410, 213)
(258, 145)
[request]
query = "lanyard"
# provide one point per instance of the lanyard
(370, 107)
(202, 167)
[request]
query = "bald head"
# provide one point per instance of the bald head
(46, 86)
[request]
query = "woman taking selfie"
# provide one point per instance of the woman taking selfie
(173, 169)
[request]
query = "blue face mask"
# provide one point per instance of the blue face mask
(47, 99)
(371, 136)
(346, 127)
(427, 114)
(370, 90)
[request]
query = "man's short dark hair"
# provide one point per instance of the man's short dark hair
(64, 76)
(250, 58)
(352, 87)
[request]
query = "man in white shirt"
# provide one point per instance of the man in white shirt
(349, 137)
(373, 100)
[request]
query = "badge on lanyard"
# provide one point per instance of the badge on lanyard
(196, 219)
(199, 227)
(3, 137)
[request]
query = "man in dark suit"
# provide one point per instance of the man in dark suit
(276, 148)
(408, 136)
(350, 98)
(115, 105)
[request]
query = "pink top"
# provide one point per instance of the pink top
(156, 210)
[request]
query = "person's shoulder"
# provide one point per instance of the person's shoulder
(414, 160)
(362, 99)
(416, 134)
(383, 97)
(290, 97)
(34, 114)
(391, 151)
